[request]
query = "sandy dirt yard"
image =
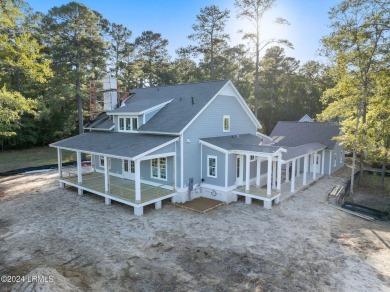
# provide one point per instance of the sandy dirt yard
(304, 244)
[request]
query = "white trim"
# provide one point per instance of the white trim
(154, 149)
(159, 133)
(223, 123)
(208, 166)
(159, 169)
(97, 129)
(214, 147)
(146, 111)
(219, 188)
(330, 161)
(162, 155)
(238, 97)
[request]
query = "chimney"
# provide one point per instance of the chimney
(110, 92)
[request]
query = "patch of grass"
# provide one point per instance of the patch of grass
(373, 181)
(37, 156)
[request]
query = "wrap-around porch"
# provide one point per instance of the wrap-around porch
(135, 193)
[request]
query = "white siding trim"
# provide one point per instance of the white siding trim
(226, 170)
(219, 149)
(154, 149)
(181, 162)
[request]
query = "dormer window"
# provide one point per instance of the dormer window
(226, 123)
(128, 124)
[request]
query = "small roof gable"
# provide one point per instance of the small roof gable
(146, 98)
(306, 119)
(114, 144)
(292, 134)
(245, 142)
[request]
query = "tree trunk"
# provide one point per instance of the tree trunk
(79, 101)
(354, 151)
(256, 93)
(212, 60)
(384, 162)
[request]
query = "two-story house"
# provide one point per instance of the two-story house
(181, 142)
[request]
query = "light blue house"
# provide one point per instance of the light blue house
(181, 142)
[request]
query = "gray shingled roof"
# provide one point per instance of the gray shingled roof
(292, 134)
(173, 117)
(294, 152)
(103, 123)
(113, 144)
(245, 142)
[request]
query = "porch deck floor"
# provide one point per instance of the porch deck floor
(256, 191)
(120, 188)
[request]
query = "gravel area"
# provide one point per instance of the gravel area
(303, 244)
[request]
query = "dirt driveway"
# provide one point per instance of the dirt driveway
(304, 244)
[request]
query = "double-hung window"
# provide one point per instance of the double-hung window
(159, 168)
(212, 166)
(341, 156)
(334, 160)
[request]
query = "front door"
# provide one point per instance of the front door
(128, 169)
(239, 170)
(315, 164)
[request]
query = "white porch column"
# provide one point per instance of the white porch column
(299, 167)
(288, 171)
(226, 170)
(258, 171)
(269, 173)
(79, 172)
(292, 189)
(274, 175)
(315, 166)
(247, 171)
(59, 156)
(279, 183)
(137, 164)
(305, 162)
(323, 162)
(106, 175)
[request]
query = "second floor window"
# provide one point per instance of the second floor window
(226, 123)
(128, 124)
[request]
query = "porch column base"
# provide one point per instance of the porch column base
(80, 191)
(62, 185)
(157, 205)
(248, 200)
(107, 201)
(138, 211)
(268, 204)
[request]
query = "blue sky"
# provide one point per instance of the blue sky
(174, 18)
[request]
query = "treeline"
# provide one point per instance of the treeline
(48, 60)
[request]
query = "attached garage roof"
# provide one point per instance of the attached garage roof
(292, 134)
(114, 144)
